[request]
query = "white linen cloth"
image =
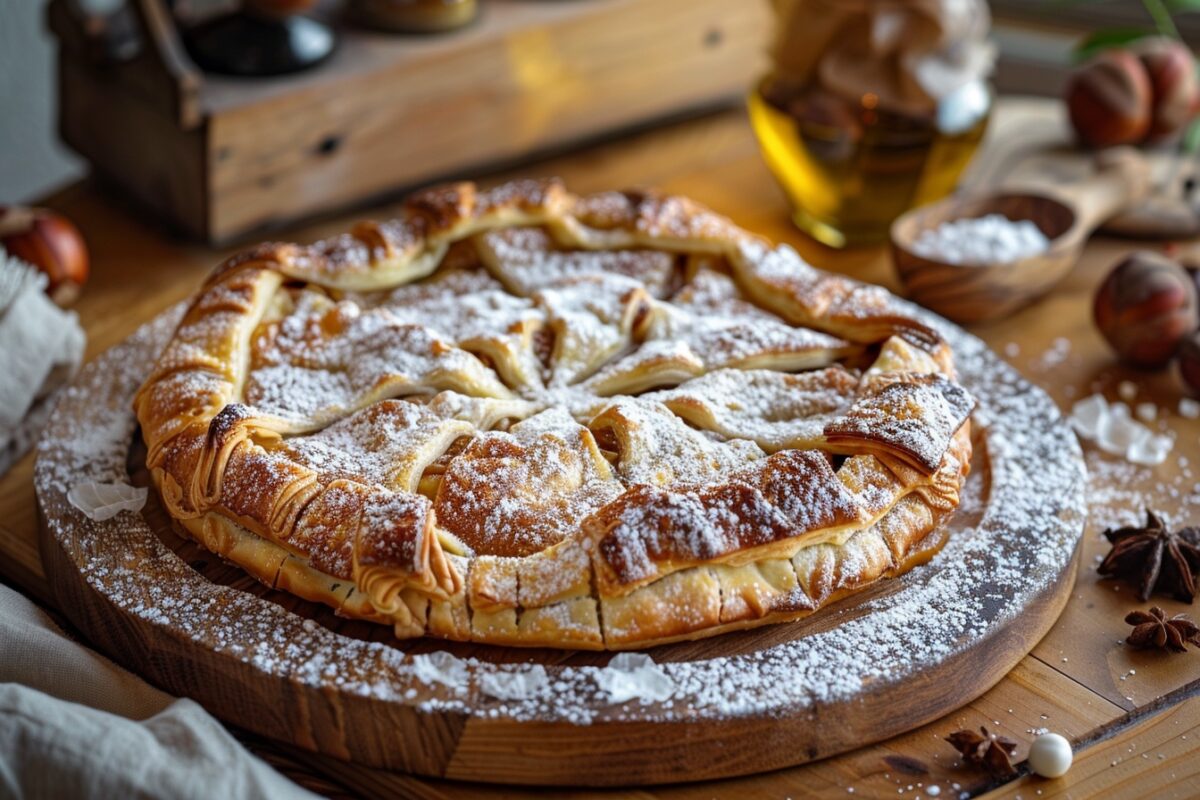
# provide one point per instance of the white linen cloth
(41, 346)
(73, 724)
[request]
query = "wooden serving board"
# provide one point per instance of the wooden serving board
(900, 654)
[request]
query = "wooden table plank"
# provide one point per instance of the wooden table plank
(1074, 675)
(918, 757)
(1154, 758)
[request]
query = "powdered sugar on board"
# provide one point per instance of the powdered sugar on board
(517, 684)
(996, 563)
(440, 668)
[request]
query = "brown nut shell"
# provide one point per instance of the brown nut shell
(1145, 308)
(1174, 86)
(50, 242)
(1189, 362)
(1109, 100)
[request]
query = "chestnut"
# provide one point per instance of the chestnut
(1109, 100)
(1174, 89)
(1189, 362)
(1145, 307)
(49, 242)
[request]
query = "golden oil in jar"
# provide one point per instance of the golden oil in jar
(849, 168)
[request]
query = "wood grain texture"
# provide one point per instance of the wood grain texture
(917, 757)
(1154, 757)
(1062, 685)
(388, 112)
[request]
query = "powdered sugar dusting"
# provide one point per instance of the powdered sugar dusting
(917, 417)
(518, 684)
(322, 360)
(988, 572)
(519, 492)
(776, 410)
(440, 668)
(527, 261)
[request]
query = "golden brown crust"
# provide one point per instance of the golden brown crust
(292, 426)
(650, 532)
(910, 419)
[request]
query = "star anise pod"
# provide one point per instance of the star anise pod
(1155, 629)
(991, 751)
(1155, 558)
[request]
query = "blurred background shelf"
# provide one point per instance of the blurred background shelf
(219, 158)
(1033, 37)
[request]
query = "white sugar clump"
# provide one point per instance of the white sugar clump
(1089, 415)
(101, 501)
(440, 667)
(519, 685)
(981, 240)
(1189, 408)
(1116, 432)
(632, 676)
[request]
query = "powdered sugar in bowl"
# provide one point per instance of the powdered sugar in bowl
(980, 257)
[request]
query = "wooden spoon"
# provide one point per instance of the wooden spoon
(1067, 214)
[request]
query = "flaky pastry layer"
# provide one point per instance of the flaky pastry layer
(522, 417)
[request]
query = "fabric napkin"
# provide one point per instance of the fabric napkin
(41, 346)
(73, 724)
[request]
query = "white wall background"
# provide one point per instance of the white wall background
(32, 161)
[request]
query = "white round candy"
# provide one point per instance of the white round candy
(1050, 755)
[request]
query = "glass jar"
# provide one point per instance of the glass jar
(872, 107)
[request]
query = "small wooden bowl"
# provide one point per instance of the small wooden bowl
(1066, 214)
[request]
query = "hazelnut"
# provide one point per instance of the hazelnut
(1189, 362)
(1174, 88)
(1145, 307)
(49, 242)
(1109, 100)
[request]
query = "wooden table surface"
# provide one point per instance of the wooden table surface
(1134, 715)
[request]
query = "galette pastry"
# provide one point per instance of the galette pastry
(522, 417)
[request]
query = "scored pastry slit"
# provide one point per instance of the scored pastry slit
(431, 477)
(610, 448)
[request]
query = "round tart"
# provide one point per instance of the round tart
(522, 417)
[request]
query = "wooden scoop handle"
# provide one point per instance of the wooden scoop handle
(1122, 177)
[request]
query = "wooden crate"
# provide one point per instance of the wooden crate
(219, 158)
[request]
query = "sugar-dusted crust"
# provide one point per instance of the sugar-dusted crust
(522, 417)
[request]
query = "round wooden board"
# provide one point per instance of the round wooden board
(892, 658)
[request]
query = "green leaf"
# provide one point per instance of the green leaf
(1110, 38)
(1183, 5)
(1191, 138)
(1163, 20)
